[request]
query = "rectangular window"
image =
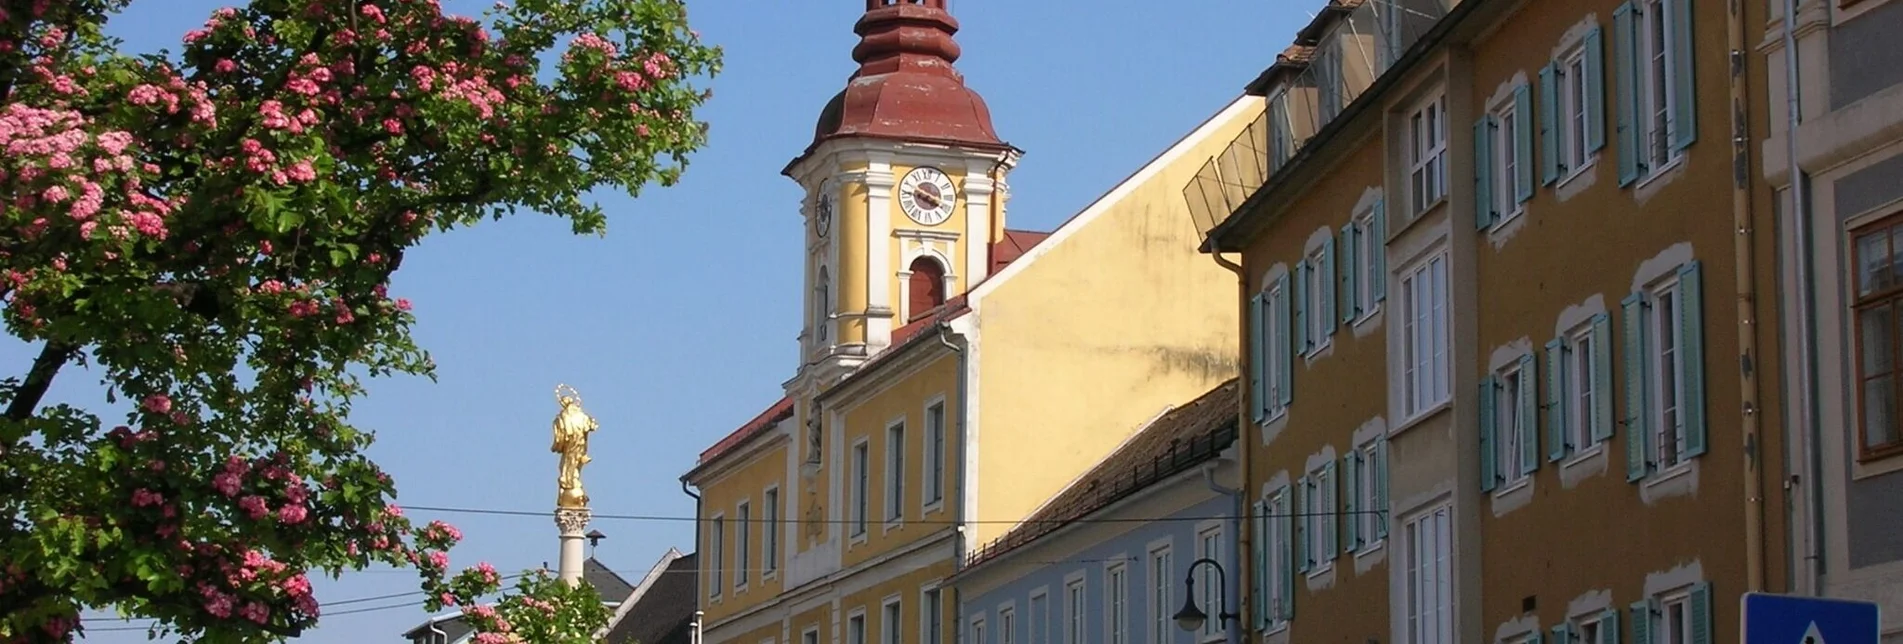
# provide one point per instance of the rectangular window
(932, 621)
(1582, 393)
(770, 514)
(1427, 155)
(743, 543)
(1074, 611)
(1513, 427)
(1116, 604)
(1329, 88)
(1162, 579)
(810, 637)
(892, 623)
(1007, 626)
(861, 460)
(1667, 374)
(1579, 382)
(1681, 616)
(1318, 518)
(1424, 336)
(1281, 136)
(1673, 625)
(1664, 373)
(1040, 619)
(1574, 110)
(856, 629)
(1368, 263)
(1209, 545)
(895, 472)
(1878, 311)
(1370, 475)
(978, 631)
(717, 542)
(1279, 571)
(1428, 559)
(1318, 311)
(1658, 95)
(1592, 628)
(1505, 142)
(1277, 351)
(935, 453)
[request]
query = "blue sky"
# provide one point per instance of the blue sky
(681, 323)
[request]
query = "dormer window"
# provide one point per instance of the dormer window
(926, 286)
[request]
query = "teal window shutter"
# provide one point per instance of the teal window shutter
(1351, 466)
(1285, 359)
(1601, 377)
(1691, 350)
(1258, 358)
(1699, 612)
(1522, 143)
(1346, 295)
(1549, 124)
(1556, 416)
(1684, 82)
(1534, 638)
(1303, 503)
(1608, 627)
(1259, 582)
(1563, 633)
(1637, 434)
(1380, 489)
(1625, 78)
(1331, 502)
(1286, 523)
(1483, 173)
(1641, 612)
(1326, 277)
(1379, 276)
(1302, 341)
(1488, 461)
(1593, 50)
(1529, 415)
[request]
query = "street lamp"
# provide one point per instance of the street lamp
(1191, 618)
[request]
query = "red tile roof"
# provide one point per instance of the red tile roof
(1014, 245)
(781, 410)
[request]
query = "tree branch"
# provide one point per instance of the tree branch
(39, 378)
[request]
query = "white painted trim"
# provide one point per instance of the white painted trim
(772, 526)
(930, 459)
(854, 472)
(894, 477)
(1235, 109)
(965, 484)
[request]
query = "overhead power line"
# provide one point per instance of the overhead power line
(869, 521)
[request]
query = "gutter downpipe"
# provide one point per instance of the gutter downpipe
(1245, 574)
(698, 613)
(1747, 301)
(1231, 630)
(1806, 416)
(958, 513)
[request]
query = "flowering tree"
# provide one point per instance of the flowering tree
(213, 230)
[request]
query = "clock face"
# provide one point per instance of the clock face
(927, 196)
(823, 213)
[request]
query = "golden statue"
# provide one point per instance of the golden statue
(572, 426)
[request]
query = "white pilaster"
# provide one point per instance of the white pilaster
(978, 223)
(879, 184)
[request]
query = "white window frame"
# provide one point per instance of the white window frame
(1506, 121)
(1209, 545)
(1580, 397)
(1320, 503)
(1008, 623)
(895, 473)
(1038, 626)
(1663, 361)
(931, 607)
(1426, 160)
(1280, 563)
(1281, 134)
(1425, 373)
(1116, 600)
(770, 535)
(1076, 607)
(861, 491)
(1680, 599)
(1161, 566)
(1436, 525)
(810, 636)
(977, 630)
(717, 542)
(892, 620)
(1280, 343)
(1510, 429)
(743, 539)
(936, 435)
(1365, 264)
(856, 626)
(1368, 476)
(1595, 620)
(1322, 317)
(1573, 112)
(1657, 86)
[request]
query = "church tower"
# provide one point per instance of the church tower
(904, 189)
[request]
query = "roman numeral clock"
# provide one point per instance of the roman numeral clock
(927, 196)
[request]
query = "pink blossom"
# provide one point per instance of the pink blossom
(227, 483)
(292, 514)
(402, 304)
(256, 612)
(157, 403)
(254, 506)
(143, 498)
(439, 559)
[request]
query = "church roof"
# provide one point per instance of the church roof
(663, 612)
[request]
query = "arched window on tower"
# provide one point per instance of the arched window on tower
(822, 303)
(927, 287)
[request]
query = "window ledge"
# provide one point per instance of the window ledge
(1512, 486)
(1654, 175)
(769, 575)
(1364, 316)
(1320, 569)
(1276, 628)
(933, 507)
(1422, 417)
(1275, 416)
(1877, 464)
(738, 589)
(1574, 173)
(1579, 457)
(1422, 213)
(1500, 223)
(892, 524)
(857, 539)
(1371, 547)
(1660, 477)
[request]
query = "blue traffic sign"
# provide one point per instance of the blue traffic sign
(1790, 619)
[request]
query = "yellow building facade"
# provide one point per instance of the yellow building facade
(954, 373)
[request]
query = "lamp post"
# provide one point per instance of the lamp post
(1191, 618)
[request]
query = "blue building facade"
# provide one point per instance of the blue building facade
(1107, 561)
